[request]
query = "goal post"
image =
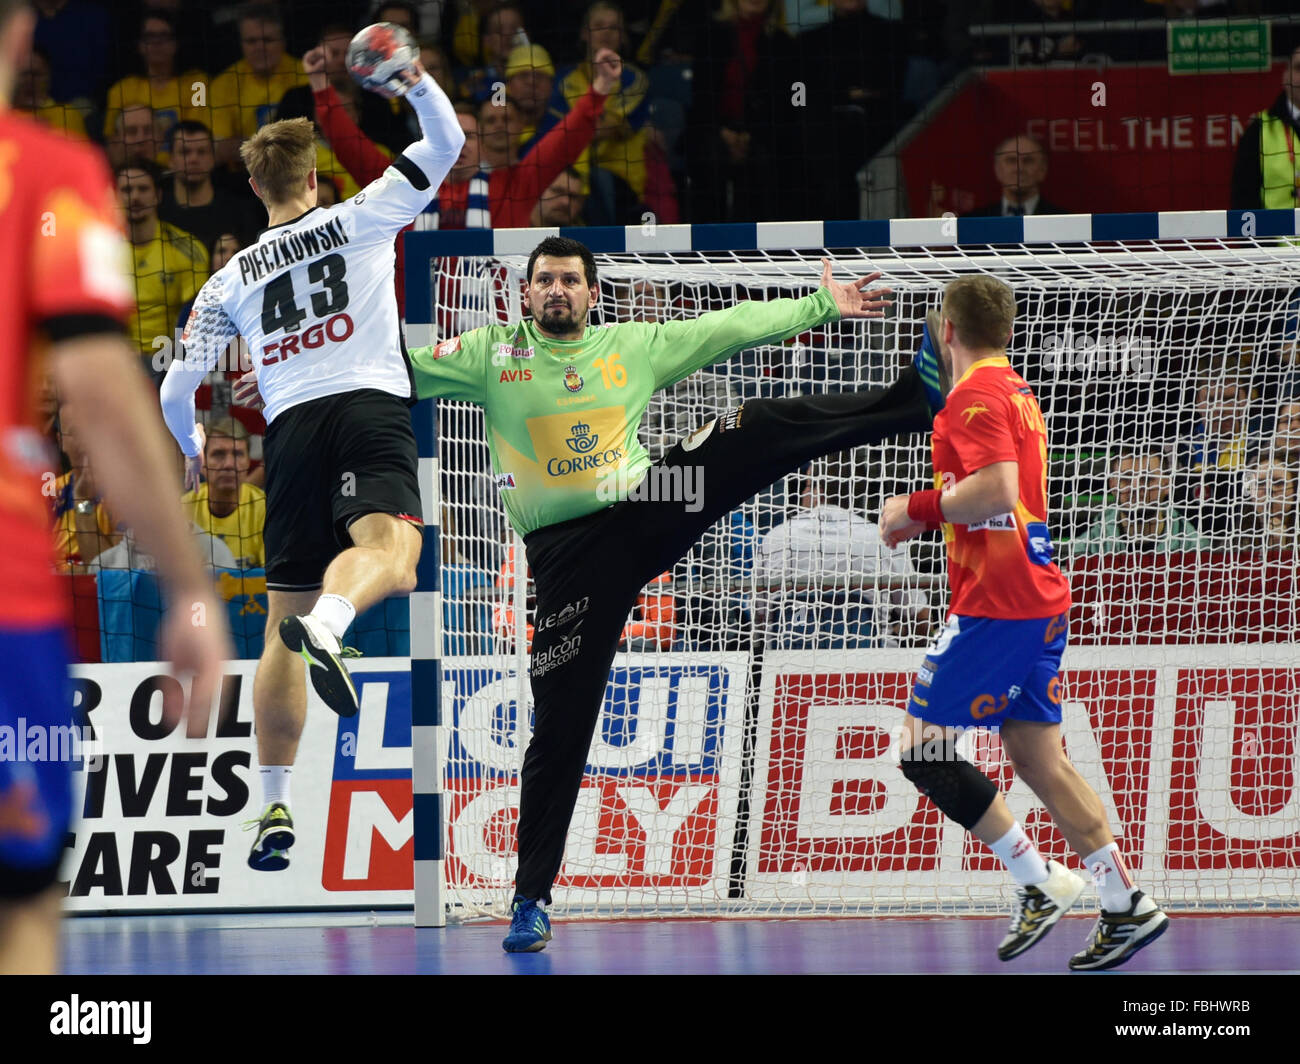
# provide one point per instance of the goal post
(745, 759)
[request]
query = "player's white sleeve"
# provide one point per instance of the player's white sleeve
(208, 332)
(393, 199)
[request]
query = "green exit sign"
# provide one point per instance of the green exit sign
(1219, 46)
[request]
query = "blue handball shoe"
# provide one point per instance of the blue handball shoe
(270, 852)
(530, 927)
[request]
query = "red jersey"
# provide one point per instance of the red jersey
(63, 262)
(1001, 567)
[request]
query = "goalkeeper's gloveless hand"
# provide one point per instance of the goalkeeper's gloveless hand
(851, 298)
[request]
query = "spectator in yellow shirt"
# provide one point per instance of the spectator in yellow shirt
(32, 94)
(83, 529)
(169, 93)
(137, 136)
(225, 504)
(245, 95)
(619, 147)
(169, 264)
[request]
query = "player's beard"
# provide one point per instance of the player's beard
(559, 318)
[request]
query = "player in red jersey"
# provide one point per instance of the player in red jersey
(996, 664)
(64, 300)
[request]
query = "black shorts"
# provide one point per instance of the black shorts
(328, 462)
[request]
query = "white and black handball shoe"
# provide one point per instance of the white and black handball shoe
(1117, 936)
(1041, 905)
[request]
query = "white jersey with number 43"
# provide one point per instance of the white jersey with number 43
(313, 300)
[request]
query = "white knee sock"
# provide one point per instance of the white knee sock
(1020, 856)
(275, 783)
(336, 613)
(1111, 877)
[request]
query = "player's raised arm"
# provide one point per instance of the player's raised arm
(442, 137)
(405, 188)
(679, 348)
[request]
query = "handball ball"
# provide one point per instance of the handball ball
(382, 58)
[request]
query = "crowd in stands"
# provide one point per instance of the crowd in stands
(725, 111)
(728, 110)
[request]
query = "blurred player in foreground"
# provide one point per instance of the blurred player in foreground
(313, 299)
(67, 298)
(996, 663)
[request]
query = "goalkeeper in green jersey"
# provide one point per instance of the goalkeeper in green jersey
(562, 401)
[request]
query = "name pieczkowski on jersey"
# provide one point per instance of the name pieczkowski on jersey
(313, 300)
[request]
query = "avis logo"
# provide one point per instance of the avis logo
(582, 439)
(508, 375)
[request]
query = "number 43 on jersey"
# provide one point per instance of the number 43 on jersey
(280, 311)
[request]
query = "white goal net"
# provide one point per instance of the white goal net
(744, 759)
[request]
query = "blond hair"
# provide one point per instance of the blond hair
(981, 310)
(226, 428)
(279, 156)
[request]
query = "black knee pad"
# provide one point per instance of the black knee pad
(961, 791)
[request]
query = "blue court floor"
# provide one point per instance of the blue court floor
(385, 943)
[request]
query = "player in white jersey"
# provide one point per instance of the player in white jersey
(313, 300)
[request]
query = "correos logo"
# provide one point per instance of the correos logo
(582, 442)
(582, 439)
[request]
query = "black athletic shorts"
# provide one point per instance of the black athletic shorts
(328, 462)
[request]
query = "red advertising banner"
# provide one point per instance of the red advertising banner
(1235, 795)
(1129, 138)
(1196, 761)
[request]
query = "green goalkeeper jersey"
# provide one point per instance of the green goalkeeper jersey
(562, 415)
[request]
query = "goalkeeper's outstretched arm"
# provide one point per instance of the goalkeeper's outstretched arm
(679, 348)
